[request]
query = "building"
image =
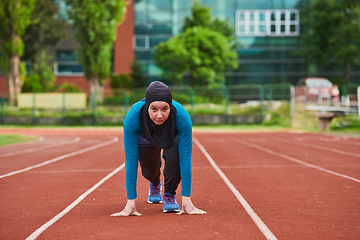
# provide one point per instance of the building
(269, 32)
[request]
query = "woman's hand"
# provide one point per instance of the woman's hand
(130, 209)
(189, 208)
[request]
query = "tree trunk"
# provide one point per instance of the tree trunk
(347, 73)
(14, 79)
(95, 89)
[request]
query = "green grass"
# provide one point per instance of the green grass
(6, 139)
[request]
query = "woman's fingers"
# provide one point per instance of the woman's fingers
(126, 214)
(193, 211)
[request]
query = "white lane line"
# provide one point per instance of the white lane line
(40, 148)
(319, 147)
(41, 229)
(61, 157)
(294, 159)
(259, 223)
(342, 140)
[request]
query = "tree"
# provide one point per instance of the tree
(332, 32)
(199, 51)
(95, 23)
(45, 30)
(137, 75)
(201, 16)
(15, 16)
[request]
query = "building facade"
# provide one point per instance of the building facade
(269, 33)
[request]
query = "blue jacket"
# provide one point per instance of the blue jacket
(132, 130)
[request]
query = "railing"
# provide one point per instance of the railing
(224, 101)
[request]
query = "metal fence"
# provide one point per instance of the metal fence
(109, 107)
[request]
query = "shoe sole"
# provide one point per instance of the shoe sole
(155, 202)
(170, 210)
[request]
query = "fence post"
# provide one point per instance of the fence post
(63, 121)
(33, 119)
(292, 104)
(227, 100)
(2, 110)
(358, 100)
(261, 88)
(94, 107)
(126, 101)
(270, 97)
(192, 102)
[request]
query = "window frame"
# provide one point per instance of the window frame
(273, 27)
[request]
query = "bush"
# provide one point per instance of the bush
(119, 81)
(351, 122)
(66, 87)
(32, 84)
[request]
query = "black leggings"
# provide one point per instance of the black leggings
(150, 162)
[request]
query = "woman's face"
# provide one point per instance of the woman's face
(159, 111)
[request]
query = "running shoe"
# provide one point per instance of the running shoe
(170, 204)
(154, 193)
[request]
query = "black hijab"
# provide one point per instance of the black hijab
(160, 136)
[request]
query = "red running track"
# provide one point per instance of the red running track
(266, 185)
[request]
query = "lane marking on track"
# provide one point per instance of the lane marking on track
(40, 148)
(293, 159)
(61, 157)
(342, 140)
(319, 147)
(259, 223)
(40, 230)
(72, 171)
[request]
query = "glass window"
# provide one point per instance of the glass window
(292, 28)
(181, 4)
(140, 42)
(261, 16)
(139, 17)
(154, 70)
(160, 29)
(156, 40)
(251, 28)
(178, 17)
(273, 17)
(251, 17)
(220, 4)
(242, 28)
(63, 69)
(65, 55)
(273, 28)
(159, 5)
(142, 55)
(277, 22)
(261, 28)
(222, 15)
(282, 16)
(159, 16)
(141, 29)
(292, 16)
(139, 6)
(242, 16)
(282, 28)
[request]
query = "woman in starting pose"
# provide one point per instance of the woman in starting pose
(153, 124)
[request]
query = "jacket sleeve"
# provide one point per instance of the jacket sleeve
(184, 129)
(131, 128)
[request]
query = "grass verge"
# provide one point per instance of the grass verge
(6, 139)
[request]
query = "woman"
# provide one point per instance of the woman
(153, 124)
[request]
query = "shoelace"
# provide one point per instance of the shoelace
(169, 199)
(155, 190)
